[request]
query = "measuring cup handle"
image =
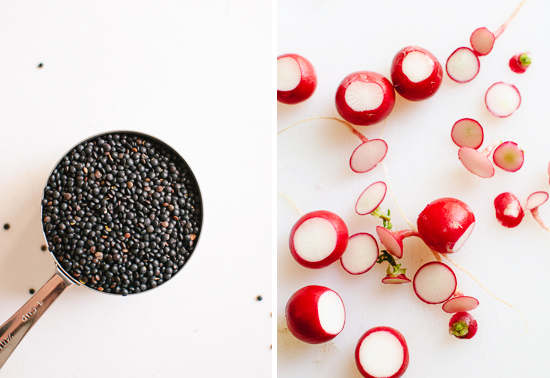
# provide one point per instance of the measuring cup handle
(16, 327)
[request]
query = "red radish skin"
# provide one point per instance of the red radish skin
(533, 202)
(434, 283)
(365, 98)
(509, 212)
(416, 73)
(296, 79)
(508, 156)
(398, 279)
(445, 224)
(393, 240)
(361, 254)
(460, 303)
(315, 314)
(382, 352)
(477, 162)
(371, 198)
(502, 99)
(467, 132)
(462, 65)
(462, 325)
(482, 41)
(519, 63)
(318, 239)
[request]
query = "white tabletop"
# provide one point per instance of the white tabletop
(194, 74)
(340, 37)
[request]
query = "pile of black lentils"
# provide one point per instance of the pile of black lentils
(122, 213)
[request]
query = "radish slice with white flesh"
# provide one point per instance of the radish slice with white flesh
(476, 162)
(434, 282)
(315, 314)
(296, 79)
(502, 99)
(361, 254)
(365, 98)
(508, 210)
(459, 303)
(393, 240)
(393, 280)
(371, 198)
(318, 239)
(467, 132)
(533, 202)
(508, 156)
(367, 155)
(462, 65)
(482, 41)
(382, 352)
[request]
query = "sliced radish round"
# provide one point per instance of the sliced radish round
(399, 279)
(502, 99)
(296, 79)
(519, 63)
(393, 240)
(460, 303)
(318, 239)
(509, 212)
(434, 282)
(462, 325)
(462, 65)
(536, 199)
(476, 162)
(445, 224)
(508, 156)
(365, 98)
(361, 254)
(371, 198)
(382, 352)
(467, 132)
(367, 155)
(482, 41)
(416, 73)
(315, 314)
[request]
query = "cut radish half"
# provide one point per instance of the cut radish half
(536, 199)
(434, 282)
(365, 98)
(476, 162)
(462, 65)
(318, 239)
(460, 303)
(467, 132)
(508, 156)
(519, 63)
(296, 79)
(382, 352)
(315, 314)
(367, 155)
(371, 198)
(509, 212)
(502, 99)
(393, 240)
(482, 41)
(361, 254)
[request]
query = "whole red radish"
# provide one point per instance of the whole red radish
(318, 239)
(519, 63)
(416, 73)
(315, 314)
(365, 98)
(382, 352)
(296, 79)
(509, 212)
(463, 325)
(445, 224)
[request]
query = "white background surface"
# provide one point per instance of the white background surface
(343, 37)
(194, 74)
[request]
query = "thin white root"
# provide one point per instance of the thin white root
(395, 199)
(291, 202)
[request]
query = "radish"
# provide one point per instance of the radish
(416, 73)
(502, 99)
(296, 79)
(467, 132)
(434, 282)
(445, 224)
(462, 65)
(393, 240)
(318, 239)
(361, 254)
(367, 155)
(365, 98)
(533, 202)
(482, 40)
(315, 314)
(509, 212)
(394, 273)
(508, 156)
(371, 198)
(519, 63)
(460, 303)
(477, 162)
(382, 352)
(463, 325)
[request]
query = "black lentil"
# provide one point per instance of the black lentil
(259, 298)
(40, 65)
(114, 221)
(6, 226)
(31, 291)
